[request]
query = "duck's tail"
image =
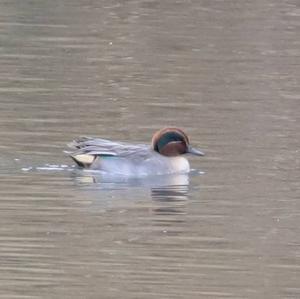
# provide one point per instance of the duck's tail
(83, 160)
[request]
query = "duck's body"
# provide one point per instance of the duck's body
(150, 163)
(164, 156)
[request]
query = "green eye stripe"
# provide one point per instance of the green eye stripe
(167, 138)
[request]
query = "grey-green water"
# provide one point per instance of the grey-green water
(225, 71)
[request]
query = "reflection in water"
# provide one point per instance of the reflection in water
(170, 207)
(162, 187)
(169, 193)
(170, 199)
(165, 212)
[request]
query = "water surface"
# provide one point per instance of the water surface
(225, 71)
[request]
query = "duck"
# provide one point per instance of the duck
(165, 154)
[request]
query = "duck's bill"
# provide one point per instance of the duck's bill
(194, 151)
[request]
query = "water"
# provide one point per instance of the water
(225, 71)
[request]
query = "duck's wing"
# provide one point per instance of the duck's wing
(87, 149)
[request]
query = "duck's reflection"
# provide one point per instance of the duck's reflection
(165, 212)
(163, 189)
(171, 198)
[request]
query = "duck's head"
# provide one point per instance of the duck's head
(173, 142)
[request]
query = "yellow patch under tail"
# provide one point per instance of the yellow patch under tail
(84, 160)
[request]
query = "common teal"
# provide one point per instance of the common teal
(164, 156)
